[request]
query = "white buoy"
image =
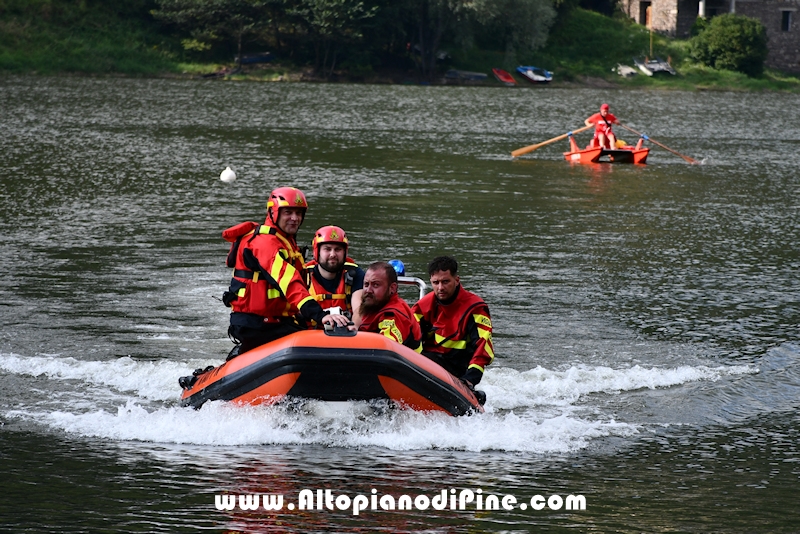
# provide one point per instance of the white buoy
(227, 175)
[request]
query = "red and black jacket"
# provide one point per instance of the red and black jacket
(267, 282)
(343, 295)
(459, 331)
(395, 321)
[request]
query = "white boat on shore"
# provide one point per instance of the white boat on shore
(654, 66)
(625, 71)
(535, 74)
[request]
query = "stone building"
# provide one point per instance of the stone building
(675, 18)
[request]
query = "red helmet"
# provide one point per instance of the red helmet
(285, 197)
(328, 234)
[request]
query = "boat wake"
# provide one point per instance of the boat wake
(537, 410)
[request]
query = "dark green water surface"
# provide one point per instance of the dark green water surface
(645, 317)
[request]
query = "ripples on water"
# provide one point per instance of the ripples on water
(645, 318)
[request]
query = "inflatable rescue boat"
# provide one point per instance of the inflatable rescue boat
(332, 366)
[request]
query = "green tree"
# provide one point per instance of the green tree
(331, 23)
(732, 42)
(517, 24)
(433, 18)
(521, 26)
(208, 21)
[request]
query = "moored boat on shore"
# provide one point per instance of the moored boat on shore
(651, 67)
(535, 74)
(464, 76)
(504, 77)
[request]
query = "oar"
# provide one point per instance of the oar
(531, 148)
(687, 158)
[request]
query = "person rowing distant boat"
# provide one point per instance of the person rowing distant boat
(603, 135)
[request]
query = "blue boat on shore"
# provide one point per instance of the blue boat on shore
(261, 57)
(535, 74)
(464, 76)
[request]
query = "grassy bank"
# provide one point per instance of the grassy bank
(585, 43)
(57, 37)
(60, 36)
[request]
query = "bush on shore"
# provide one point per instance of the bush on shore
(732, 42)
(86, 36)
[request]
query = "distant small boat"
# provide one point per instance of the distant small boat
(536, 74)
(504, 77)
(624, 70)
(465, 75)
(620, 154)
(228, 71)
(261, 57)
(654, 66)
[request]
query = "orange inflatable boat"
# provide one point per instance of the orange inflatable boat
(336, 366)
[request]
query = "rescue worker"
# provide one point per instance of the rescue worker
(333, 278)
(455, 323)
(383, 311)
(268, 295)
(603, 136)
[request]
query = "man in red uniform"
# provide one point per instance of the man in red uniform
(333, 278)
(268, 294)
(603, 136)
(382, 309)
(455, 323)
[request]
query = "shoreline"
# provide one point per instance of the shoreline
(715, 81)
(279, 73)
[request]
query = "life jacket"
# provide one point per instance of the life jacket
(602, 125)
(344, 291)
(458, 331)
(395, 321)
(256, 289)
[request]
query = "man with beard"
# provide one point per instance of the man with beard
(383, 311)
(455, 323)
(333, 278)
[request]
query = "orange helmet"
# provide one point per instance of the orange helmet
(328, 234)
(285, 197)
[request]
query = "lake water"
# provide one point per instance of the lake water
(646, 317)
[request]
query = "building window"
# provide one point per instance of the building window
(786, 20)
